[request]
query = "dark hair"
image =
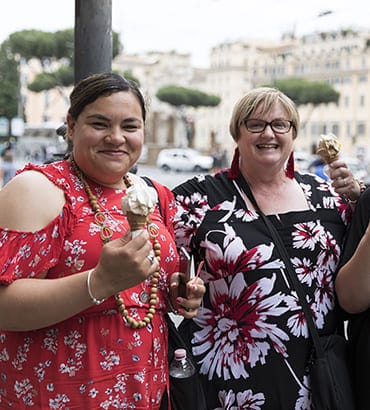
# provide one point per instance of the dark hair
(97, 85)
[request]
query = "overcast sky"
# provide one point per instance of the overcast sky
(192, 26)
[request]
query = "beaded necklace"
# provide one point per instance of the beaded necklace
(106, 235)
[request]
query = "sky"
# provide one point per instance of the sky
(193, 26)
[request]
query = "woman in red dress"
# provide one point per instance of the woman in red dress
(82, 301)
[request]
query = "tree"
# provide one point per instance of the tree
(181, 97)
(9, 85)
(49, 47)
(303, 91)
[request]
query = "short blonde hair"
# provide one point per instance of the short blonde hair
(261, 99)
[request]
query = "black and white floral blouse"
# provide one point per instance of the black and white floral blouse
(250, 338)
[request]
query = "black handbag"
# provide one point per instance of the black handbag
(186, 393)
(330, 380)
(331, 385)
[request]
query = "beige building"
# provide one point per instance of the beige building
(340, 58)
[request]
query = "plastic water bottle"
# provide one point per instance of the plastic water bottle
(181, 367)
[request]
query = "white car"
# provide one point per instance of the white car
(184, 159)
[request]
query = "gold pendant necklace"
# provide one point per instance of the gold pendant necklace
(106, 234)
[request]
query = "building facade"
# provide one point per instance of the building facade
(341, 58)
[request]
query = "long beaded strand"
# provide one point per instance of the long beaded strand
(105, 235)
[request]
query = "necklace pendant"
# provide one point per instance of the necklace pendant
(153, 230)
(144, 297)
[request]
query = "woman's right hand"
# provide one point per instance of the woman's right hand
(123, 263)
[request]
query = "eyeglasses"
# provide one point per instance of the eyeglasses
(278, 126)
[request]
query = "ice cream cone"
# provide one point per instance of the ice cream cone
(136, 221)
(328, 148)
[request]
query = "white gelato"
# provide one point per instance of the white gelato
(140, 199)
(328, 148)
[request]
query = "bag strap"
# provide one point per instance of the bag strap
(150, 183)
(163, 203)
(289, 268)
(174, 333)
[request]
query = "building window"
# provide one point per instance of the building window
(314, 129)
(361, 128)
(362, 100)
(348, 129)
(335, 129)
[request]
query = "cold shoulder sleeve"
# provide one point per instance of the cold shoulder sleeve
(28, 254)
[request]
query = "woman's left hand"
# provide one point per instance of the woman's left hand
(187, 306)
(343, 180)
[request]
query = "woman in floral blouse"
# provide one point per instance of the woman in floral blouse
(250, 337)
(82, 301)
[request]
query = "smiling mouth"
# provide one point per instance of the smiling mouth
(113, 152)
(267, 146)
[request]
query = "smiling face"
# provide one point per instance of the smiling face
(107, 137)
(267, 151)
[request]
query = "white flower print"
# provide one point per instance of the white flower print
(111, 359)
(307, 235)
(188, 216)
(305, 269)
(242, 400)
(238, 326)
(233, 257)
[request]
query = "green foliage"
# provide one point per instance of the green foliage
(178, 96)
(303, 91)
(48, 47)
(43, 81)
(64, 44)
(9, 83)
(33, 43)
(116, 44)
(63, 77)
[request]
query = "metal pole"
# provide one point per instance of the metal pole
(93, 37)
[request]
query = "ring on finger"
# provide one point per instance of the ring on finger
(150, 258)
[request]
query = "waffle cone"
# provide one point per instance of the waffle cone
(332, 159)
(136, 222)
(326, 157)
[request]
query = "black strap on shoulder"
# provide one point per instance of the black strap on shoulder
(151, 184)
(289, 268)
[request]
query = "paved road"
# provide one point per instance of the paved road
(170, 179)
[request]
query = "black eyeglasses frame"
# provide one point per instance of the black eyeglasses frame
(271, 124)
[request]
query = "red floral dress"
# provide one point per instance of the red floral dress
(92, 360)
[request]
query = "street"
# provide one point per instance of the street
(170, 179)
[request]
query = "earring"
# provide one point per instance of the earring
(234, 169)
(289, 171)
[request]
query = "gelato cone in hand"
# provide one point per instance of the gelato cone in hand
(328, 148)
(137, 204)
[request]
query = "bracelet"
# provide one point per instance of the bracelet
(361, 184)
(92, 297)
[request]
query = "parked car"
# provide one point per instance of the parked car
(184, 159)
